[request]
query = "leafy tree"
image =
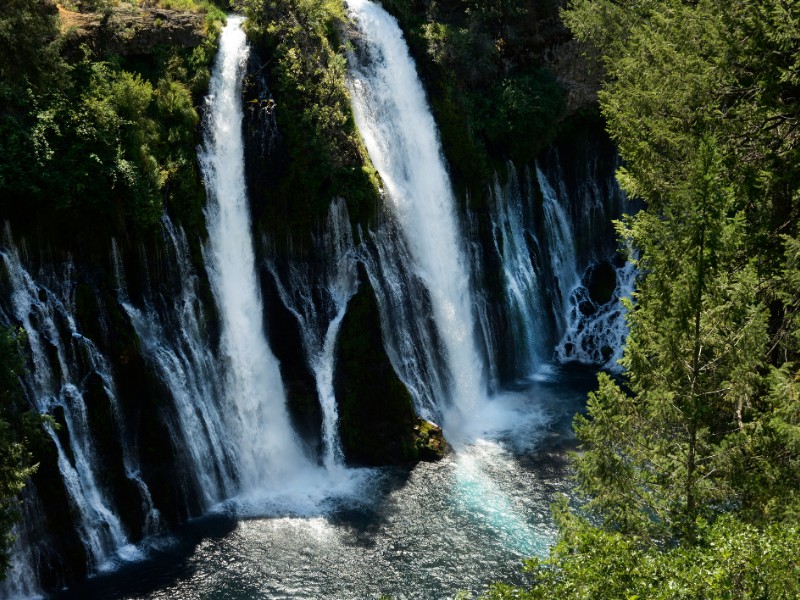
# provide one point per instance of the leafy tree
(28, 41)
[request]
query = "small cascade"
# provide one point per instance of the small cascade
(171, 326)
(597, 328)
(21, 578)
(62, 363)
(559, 242)
(319, 302)
(524, 283)
(268, 450)
(401, 137)
(409, 329)
(557, 279)
(483, 303)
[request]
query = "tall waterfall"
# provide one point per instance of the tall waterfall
(401, 137)
(268, 448)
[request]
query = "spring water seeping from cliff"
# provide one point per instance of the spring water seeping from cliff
(402, 140)
(318, 299)
(71, 379)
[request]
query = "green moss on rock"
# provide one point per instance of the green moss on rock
(377, 422)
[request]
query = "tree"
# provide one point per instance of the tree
(690, 462)
(730, 559)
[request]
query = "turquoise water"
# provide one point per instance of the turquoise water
(428, 532)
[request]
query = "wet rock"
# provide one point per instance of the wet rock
(601, 282)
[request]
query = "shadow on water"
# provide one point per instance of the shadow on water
(172, 558)
(167, 559)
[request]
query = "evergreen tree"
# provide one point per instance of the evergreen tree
(692, 457)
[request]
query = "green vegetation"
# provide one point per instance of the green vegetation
(96, 144)
(728, 560)
(17, 428)
(491, 95)
(326, 158)
(209, 6)
(690, 466)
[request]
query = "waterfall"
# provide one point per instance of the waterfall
(549, 257)
(524, 285)
(409, 329)
(268, 450)
(319, 302)
(63, 364)
(395, 122)
(560, 244)
(597, 331)
(171, 327)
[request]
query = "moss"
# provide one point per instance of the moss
(377, 421)
(322, 153)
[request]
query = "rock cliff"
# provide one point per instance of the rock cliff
(130, 30)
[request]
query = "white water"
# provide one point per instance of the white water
(560, 243)
(407, 323)
(401, 137)
(526, 296)
(62, 358)
(268, 448)
(171, 330)
(319, 302)
(546, 301)
(599, 337)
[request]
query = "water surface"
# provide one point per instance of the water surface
(427, 532)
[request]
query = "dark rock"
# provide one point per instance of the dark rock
(601, 282)
(377, 421)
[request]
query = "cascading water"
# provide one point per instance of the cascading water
(560, 244)
(409, 328)
(171, 330)
(268, 450)
(550, 310)
(524, 284)
(401, 137)
(63, 363)
(319, 302)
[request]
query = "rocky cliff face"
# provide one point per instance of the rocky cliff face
(130, 30)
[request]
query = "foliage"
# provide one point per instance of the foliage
(105, 145)
(730, 559)
(16, 428)
(491, 96)
(689, 465)
(326, 158)
(28, 42)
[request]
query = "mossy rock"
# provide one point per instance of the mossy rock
(429, 442)
(377, 421)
